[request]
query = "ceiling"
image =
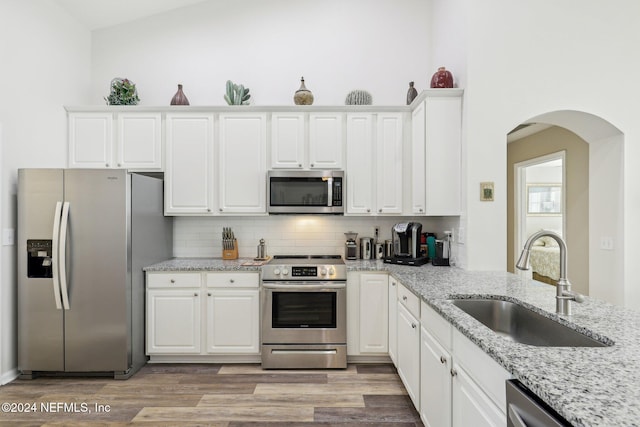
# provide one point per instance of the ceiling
(96, 14)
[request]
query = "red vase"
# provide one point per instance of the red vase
(179, 98)
(442, 79)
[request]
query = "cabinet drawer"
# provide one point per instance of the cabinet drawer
(233, 280)
(173, 280)
(485, 371)
(409, 300)
(437, 325)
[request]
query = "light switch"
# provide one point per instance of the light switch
(606, 243)
(8, 237)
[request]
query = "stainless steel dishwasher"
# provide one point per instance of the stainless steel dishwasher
(525, 409)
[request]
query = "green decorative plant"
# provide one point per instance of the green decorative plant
(123, 92)
(236, 94)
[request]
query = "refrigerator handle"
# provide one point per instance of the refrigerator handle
(54, 255)
(63, 255)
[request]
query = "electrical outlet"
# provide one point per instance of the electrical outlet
(8, 236)
(606, 243)
(461, 235)
(377, 232)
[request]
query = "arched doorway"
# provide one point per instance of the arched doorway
(603, 232)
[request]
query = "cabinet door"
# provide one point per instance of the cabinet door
(374, 317)
(325, 141)
(443, 139)
(189, 164)
(360, 165)
(287, 140)
(409, 353)
(139, 143)
(435, 382)
(242, 167)
(233, 324)
(393, 320)
(418, 167)
(389, 164)
(90, 140)
(173, 321)
(471, 405)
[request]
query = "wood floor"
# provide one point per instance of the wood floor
(215, 395)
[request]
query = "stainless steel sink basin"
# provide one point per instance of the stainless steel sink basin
(522, 325)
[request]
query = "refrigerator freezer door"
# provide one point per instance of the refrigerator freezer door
(40, 322)
(98, 270)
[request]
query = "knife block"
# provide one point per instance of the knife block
(231, 253)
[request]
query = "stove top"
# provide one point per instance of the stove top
(305, 267)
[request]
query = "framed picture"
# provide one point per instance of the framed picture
(544, 199)
(486, 191)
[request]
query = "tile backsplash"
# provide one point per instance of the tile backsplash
(289, 234)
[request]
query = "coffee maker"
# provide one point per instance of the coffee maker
(406, 238)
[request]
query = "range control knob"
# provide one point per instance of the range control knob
(276, 271)
(285, 271)
(323, 271)
(332, 271)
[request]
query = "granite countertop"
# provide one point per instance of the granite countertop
(588, 386)
(205, 264)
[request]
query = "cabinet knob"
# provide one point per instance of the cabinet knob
(299, 165)
(404, 297)
(413, 325)
(195, 294)
(311, 165)
(443, 359)
(173, 280)
(119, 165)
(420, 209)
(368, 210)
(453, 372)
(380, 210)
(220, 209)
(106, 164)
(393, 283)
(209, 293)
(208, 210)
(232, 281)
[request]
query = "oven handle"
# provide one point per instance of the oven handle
(297, 286)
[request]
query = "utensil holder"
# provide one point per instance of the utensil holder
(231, 253)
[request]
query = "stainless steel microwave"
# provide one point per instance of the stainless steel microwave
(305, 192)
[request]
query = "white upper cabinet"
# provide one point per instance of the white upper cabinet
(436, 144)
(90, 140)
(189, 165)
(131, 140)
(288, 140)
(360, 164)
(325, 140)
(242, 165)
(389, 174)
(307, 141)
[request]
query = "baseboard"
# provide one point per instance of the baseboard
(7, 377)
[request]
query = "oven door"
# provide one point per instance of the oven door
(304, 313)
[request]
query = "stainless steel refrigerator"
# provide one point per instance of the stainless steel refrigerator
(83, 238)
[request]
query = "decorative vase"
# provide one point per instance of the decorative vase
(442, 79)
(358, 97)
(303, 96)
(179, 98)
(411, 93)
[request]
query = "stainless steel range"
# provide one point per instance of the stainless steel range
(304, 312)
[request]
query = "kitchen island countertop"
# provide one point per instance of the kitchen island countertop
(588, 386)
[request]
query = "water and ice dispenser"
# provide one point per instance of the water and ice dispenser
(39, 258)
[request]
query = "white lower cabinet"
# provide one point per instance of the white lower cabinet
(367, 314)
(408, 342)
(187, 315)
(460, 385)
(435, 382)
(393, 320)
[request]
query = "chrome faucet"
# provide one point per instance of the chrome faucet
(564, 294)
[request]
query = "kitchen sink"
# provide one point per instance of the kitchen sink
(523, 325)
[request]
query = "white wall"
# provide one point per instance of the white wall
(45, 65)
(533, 57)
(268, 45)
